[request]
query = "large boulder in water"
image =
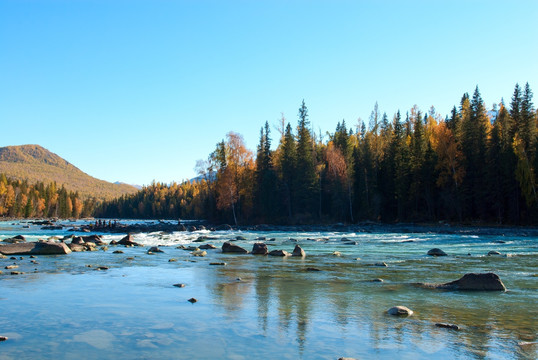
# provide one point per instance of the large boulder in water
(298, 251)
(400, 311)
(35, 248)
(436, 252)
(127, 241)
(477, 282)
(228, 247)
(259, 248)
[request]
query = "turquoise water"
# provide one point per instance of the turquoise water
(268, 307)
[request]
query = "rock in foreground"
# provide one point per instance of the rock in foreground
(400, 311)
(228, 247)
(35, 248)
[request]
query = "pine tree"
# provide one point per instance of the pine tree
(305, 180)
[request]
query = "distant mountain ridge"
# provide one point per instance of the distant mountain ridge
(35, 163)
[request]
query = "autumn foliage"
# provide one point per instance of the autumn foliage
(472, 165)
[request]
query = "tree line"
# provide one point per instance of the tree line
(19, 199)
(471, 165)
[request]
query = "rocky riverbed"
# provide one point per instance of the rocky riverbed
(164, 294)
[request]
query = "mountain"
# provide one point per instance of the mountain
(138, 187)
(36, 163)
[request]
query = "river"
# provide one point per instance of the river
(265, 307)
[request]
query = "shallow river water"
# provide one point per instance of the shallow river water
(266, 307)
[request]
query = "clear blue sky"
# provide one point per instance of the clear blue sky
(139, 90)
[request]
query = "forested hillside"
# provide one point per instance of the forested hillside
(472, 165)
(20, 199)
(34, 163)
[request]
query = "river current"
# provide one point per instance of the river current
(332, 303)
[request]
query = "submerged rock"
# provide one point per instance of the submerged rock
(200, 253)
(155, 249)
(298, 251)
(228, 247)
(448, 326)
(179, 285)
(192, 300)
(493, 252)
(400, 311)
(436, 252)
(35, 248)
(3, 338)
(259, 248)
(218, 263)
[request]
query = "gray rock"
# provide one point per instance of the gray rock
(279, 253)
(155, 249)
(298, 251)
(224, 227)
(400, 311)
(259, 248)
(35, 248)
(228, 247)
(436, 252)
(493, 252)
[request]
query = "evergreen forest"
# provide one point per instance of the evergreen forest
(472, 165)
